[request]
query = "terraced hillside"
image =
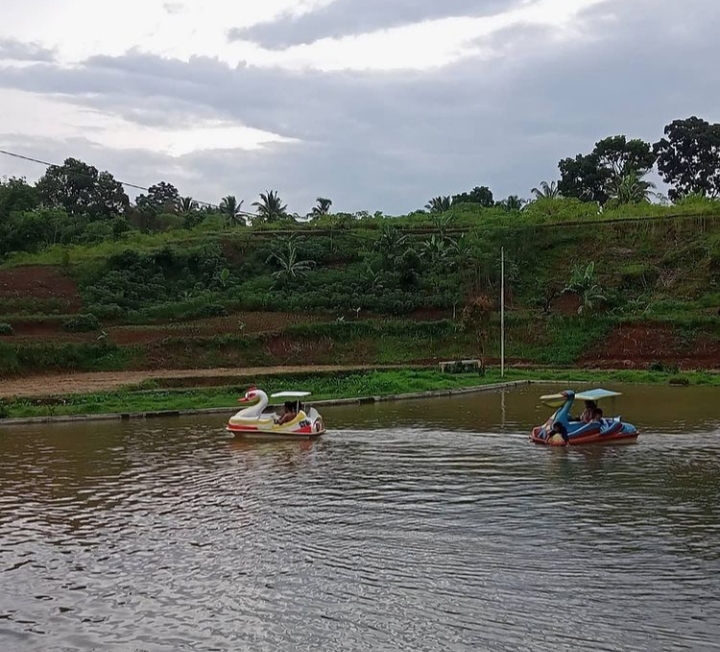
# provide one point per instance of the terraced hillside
(375, 291)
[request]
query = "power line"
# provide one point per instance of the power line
(123, 183)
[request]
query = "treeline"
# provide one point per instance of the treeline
(74, 203)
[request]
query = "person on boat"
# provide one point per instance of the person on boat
(597, 415)
(288, 414)
(559, 428)
(587, 415)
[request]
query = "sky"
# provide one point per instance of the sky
(375, 104)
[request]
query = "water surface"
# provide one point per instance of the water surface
(424, 525)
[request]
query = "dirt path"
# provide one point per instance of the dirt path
(100, 381)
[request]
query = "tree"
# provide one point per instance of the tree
(547, 191)
(588, 177)
(188, 205)
(512, 203)
(231, 209)
(481, 195)
(476, 317)
(630, 189)
(285, 255)
(322, 208)
(17, 195)
(163, 197)
(583, 178)
(270, 207)
(582, 284)
(689, 158)
(620, 156)
(438, 204)
(79, 189)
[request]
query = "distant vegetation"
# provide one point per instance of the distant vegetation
(580, 260)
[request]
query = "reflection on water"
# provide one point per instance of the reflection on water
(428, 525)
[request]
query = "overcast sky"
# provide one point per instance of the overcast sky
(376, 104)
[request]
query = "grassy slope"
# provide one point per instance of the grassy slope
(658, 271)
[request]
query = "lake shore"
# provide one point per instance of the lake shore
(188, 394)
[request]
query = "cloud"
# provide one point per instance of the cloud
(380, 141)
(12, 50)
(351, 17)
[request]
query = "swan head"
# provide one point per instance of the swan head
(251, 395)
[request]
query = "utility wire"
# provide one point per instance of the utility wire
(124, 183)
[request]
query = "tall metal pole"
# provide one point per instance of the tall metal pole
(502, 312)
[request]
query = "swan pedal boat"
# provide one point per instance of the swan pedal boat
(608, 429)
(257, 422)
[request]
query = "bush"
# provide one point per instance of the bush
(5, 329)
(214, 310)
(4, 412)
(82, 324)
(663, 368)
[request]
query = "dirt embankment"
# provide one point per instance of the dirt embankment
(637, 346)
(40, 283)
(102, 381)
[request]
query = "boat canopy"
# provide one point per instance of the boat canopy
(289, 394)
(557, 400)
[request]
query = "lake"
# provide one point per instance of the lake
(418, 525)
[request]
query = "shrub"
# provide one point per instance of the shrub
(82, 324)
(4, 412)
(5, 329)
(663, 368)
(214, 310)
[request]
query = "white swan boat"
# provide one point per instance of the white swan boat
(260, 423)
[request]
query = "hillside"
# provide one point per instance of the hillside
(375, 290)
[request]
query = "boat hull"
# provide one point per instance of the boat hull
(260, 433)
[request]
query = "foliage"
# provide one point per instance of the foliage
(163, 197)
(439, 204)
(476, 317)
(589, 177)
(547, 191)
(270, 208)
(583, 284)
(481, 195)
(322, 207)
(688, 158)
(82, 323)
(6, 329)
(232, 210)
(629, 188)
(286, 257)
(512, 203)
(16, 195)
(78, 188)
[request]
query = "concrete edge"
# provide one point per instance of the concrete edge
(361, 400)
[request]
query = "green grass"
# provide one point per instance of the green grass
(323, 386)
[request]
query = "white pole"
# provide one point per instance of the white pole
(502, 312)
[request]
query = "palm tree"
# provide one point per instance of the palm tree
(512, 203)
(231, 209)
(188, 204)
(439, 204)
(270, 207)
(547, 191)
(286, 257)
(630, 188)
(322, 208)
